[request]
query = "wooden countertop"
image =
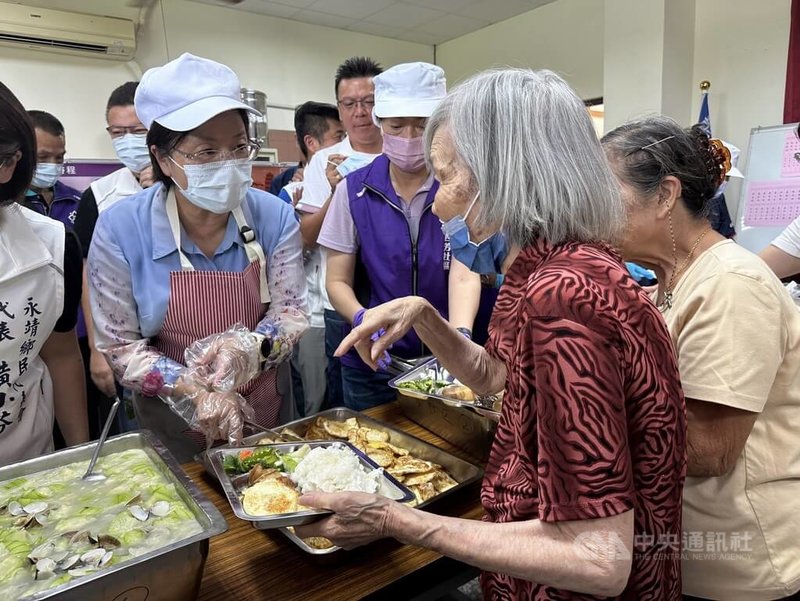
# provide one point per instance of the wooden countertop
(248, 564)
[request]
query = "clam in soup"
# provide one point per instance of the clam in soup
(55, 527)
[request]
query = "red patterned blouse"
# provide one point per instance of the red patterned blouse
(594, 419)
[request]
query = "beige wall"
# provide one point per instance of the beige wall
(739, 45)
(565, 36)
(291, 62)
(633, 56)
(74, 89)
(741, 48)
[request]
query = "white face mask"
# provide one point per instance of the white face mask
(132, 151)
(218, 187)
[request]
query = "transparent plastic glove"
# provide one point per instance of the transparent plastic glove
(225, 361)
(221, 415)
(385, 360)
(218, 415)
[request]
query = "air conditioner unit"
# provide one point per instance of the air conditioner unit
(66, 32)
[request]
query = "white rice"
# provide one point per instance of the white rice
(333, 469)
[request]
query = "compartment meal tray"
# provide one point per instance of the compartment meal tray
(234, 486)
(432, 369)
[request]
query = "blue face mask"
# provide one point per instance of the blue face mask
(352, 163)
(481, 257)
(132, 151)
(46, 175)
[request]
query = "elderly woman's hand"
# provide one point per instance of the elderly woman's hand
(395, 317)
(359, 518)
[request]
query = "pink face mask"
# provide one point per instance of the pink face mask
(407, 154)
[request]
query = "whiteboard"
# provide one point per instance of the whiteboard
(770, 197)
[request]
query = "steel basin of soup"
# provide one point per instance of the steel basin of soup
(55, 527)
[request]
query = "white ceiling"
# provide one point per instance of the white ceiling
(423, 21)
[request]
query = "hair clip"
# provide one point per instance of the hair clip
(721, 154)
(656, 142)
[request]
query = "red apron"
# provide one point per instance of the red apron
(202, 303)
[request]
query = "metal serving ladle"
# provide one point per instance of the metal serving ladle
(98, 476)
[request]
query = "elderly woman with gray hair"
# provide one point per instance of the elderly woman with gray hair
(583, 486)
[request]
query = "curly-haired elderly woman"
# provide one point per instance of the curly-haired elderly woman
(737, 335)
(583, 487)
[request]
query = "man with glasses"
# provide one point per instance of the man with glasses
(355, 97)
(128, 139)
(46, 194)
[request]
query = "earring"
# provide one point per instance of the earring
(672, 238)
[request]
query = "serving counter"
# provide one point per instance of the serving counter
(248, 565)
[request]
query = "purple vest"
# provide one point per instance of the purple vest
(389, 264)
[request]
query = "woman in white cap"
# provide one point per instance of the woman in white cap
(382, 239)
(197, 283)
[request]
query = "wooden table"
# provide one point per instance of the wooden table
(248, 564)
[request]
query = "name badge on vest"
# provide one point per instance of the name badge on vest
(446, 254)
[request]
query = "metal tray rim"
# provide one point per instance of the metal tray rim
(305, 546)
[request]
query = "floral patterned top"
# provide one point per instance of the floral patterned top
(130, 260)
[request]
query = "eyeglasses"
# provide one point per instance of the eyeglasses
(350, 103)
(117, 132)
(7, 157)
(247, 151)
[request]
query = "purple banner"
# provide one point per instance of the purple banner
(79, 174)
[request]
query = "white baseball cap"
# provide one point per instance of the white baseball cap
(187, 92)
(408, 90)
(735, 152)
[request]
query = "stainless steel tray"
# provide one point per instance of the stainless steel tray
(289, 533)
(461, 471)
(152, 574)
(432, 369)
(233, 486)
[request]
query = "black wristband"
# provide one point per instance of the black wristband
(466, 332)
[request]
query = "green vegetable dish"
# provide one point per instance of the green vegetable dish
(267, 457)
(55, 527)
(426, 385)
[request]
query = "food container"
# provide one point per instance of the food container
(233, 486)
(151, 575)
(461, 471)
(289, 533)
(432, 369)
(462, 427)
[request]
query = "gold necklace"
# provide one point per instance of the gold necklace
(667, 302)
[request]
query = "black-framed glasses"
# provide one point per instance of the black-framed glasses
(350, 103)
(247, 151)
(119, 131)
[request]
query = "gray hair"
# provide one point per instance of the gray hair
(529, 143)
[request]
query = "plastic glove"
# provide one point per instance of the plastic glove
(218, 415)
(385, 360)
(225, 361)
(221, 415)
